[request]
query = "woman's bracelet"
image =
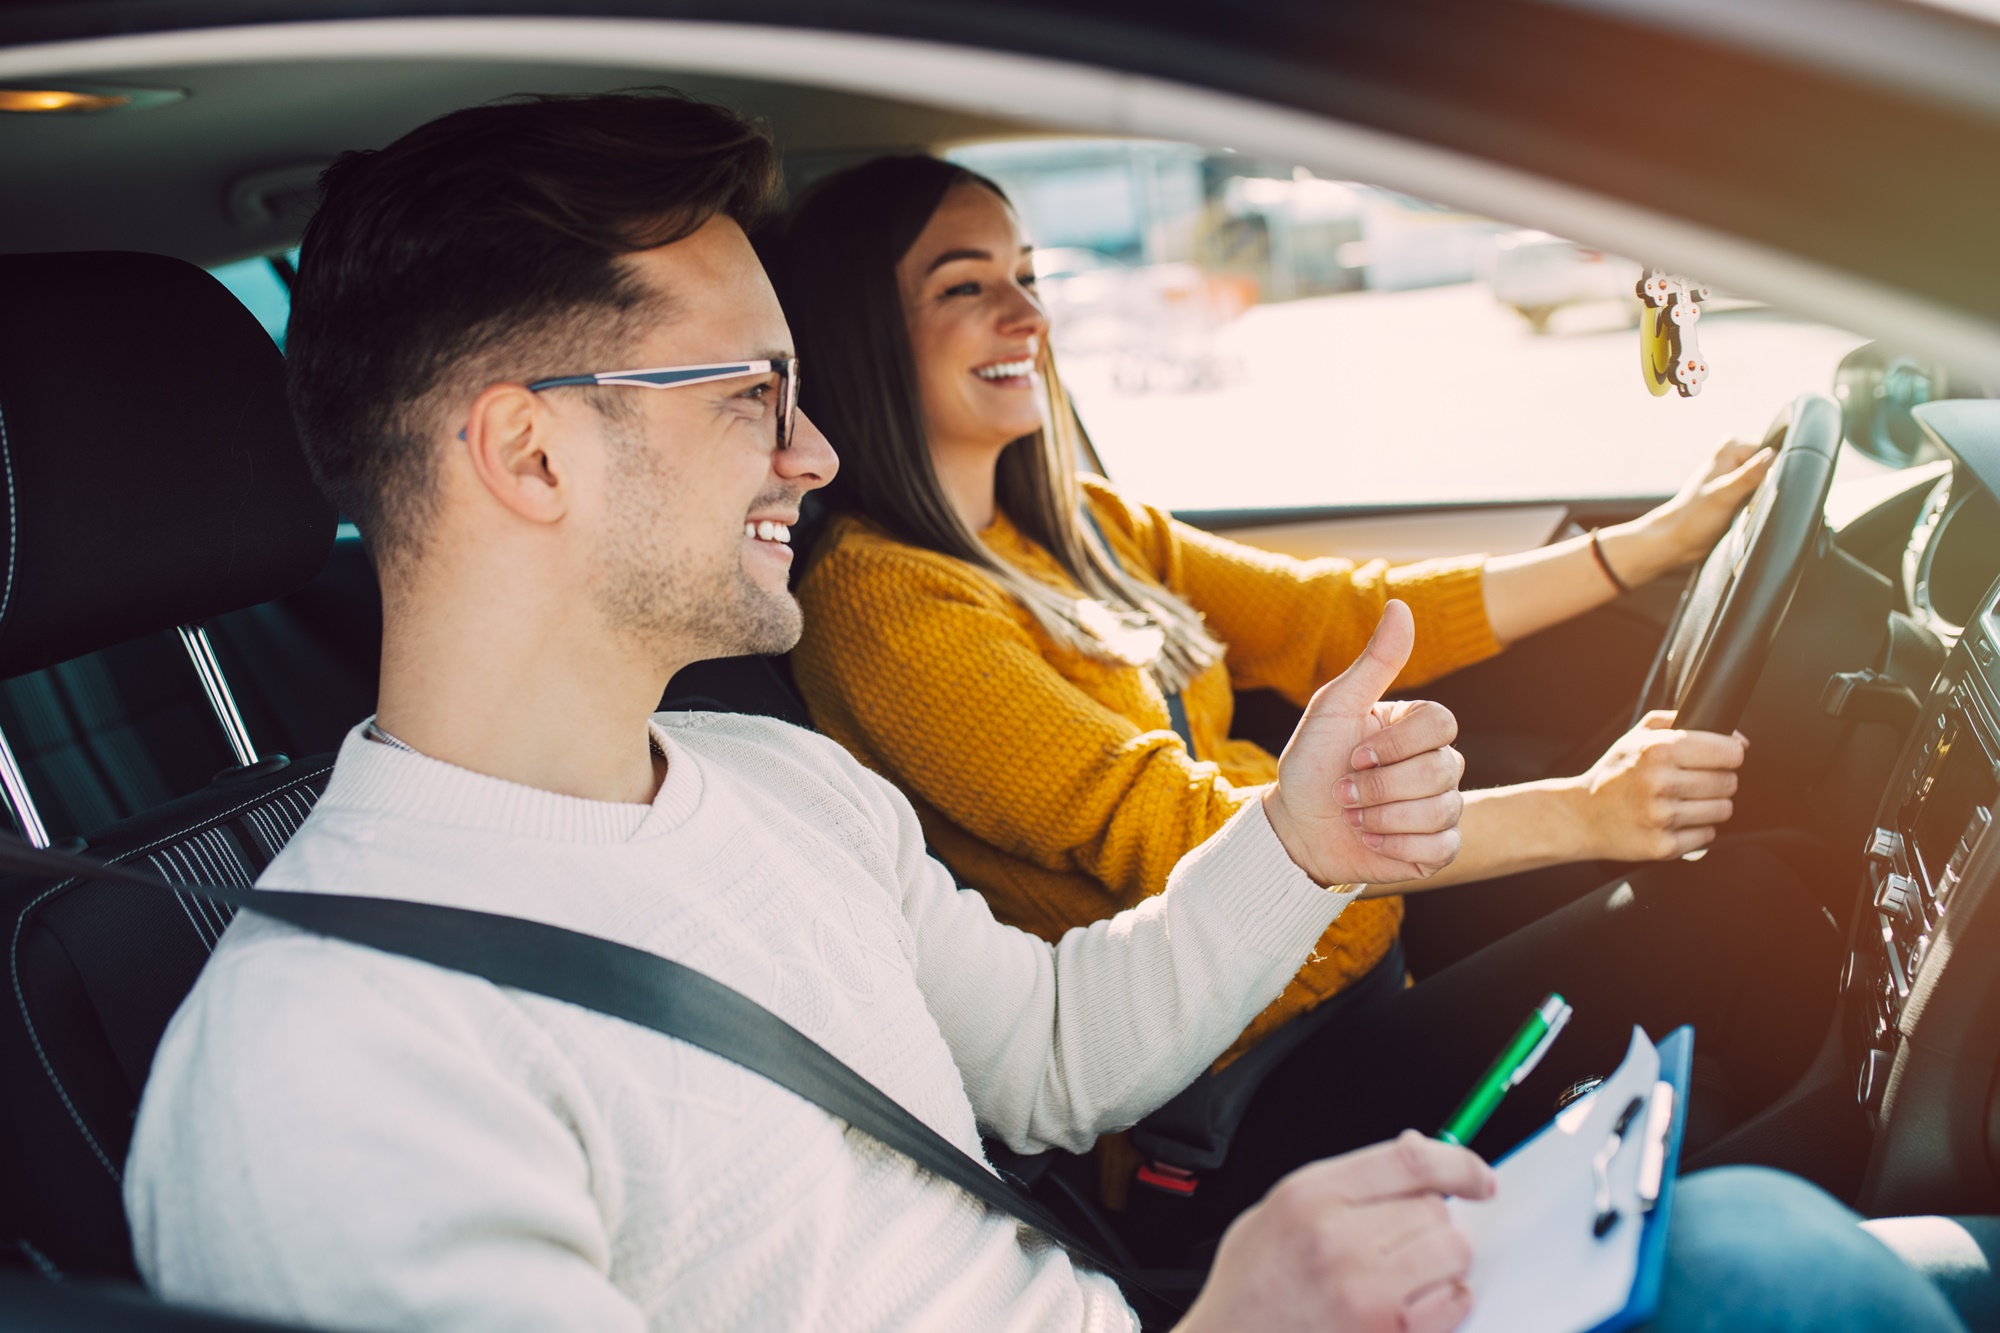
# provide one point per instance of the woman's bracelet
(1605, 565)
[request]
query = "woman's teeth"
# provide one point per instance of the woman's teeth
(1006, 370)
(767, 531)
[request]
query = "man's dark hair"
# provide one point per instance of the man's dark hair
(483, 247)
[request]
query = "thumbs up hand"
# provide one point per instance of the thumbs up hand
(1367, 791)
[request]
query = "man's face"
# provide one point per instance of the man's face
(696, 501)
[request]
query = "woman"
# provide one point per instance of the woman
(1046, 667)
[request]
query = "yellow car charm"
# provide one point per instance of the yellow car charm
(1669, 354)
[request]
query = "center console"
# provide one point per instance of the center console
(1935, 815)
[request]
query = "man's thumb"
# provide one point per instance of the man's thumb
(1357, 689)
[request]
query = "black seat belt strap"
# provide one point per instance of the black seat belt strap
(622, 982)
(1177, 714)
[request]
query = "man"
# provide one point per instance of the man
(347, 1138)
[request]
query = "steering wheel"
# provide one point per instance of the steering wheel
(1729, 617)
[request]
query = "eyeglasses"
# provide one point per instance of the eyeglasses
(677, 377)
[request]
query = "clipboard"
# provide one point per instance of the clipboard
(1540, 1266)
(1676, 1061)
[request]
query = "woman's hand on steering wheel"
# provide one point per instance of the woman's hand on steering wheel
(1683, 529)
(1658, 792)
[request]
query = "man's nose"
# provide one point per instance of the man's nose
(808, 461)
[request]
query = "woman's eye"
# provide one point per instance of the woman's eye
(1027, 280)
(963, 289)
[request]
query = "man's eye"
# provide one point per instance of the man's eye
(1027, 280)
(756, 393)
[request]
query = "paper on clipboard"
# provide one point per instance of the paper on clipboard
(1537, 1265)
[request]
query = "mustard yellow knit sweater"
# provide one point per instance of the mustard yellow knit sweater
(1053, 782)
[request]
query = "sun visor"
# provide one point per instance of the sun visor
(149, 472)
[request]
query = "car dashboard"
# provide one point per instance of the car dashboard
(1934, 820)
(1922, 974)
(1952, 556)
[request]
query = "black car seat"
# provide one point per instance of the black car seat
(306, 665)
(113, 733)
(151, 480)
(757, 685)
(109, 734)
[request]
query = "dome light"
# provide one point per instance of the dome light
(79, 99)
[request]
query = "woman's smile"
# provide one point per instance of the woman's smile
(1016, 373)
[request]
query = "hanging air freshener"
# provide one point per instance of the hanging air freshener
(1669, 354)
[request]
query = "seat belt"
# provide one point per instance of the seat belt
(631, 984)
(1177, 714)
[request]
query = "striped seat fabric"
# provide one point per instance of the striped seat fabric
(95, 971)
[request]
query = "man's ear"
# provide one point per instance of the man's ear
(509, 438)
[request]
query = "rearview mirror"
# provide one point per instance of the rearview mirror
(1876, 387)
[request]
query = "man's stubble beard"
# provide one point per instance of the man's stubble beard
(681, 606)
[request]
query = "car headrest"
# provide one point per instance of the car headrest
(149, 473)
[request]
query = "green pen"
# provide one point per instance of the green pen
(1515, 1063)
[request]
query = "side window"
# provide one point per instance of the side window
(1240, 334)
(264, 285)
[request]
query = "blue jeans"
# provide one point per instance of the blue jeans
(1757, 1251)
(1960, 1255)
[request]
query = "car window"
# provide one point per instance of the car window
(1242, 334)
(263, 285)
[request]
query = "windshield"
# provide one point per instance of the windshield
(1241, 334)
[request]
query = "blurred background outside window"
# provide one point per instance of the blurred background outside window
(1240, 334)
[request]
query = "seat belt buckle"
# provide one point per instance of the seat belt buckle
(1172, 1179)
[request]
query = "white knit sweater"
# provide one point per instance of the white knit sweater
(353, 1140)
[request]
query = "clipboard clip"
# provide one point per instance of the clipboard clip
(1600, 1169)
(1652, 1155)
(1653, 1160)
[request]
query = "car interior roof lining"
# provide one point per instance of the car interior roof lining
(1003, 90)
(173, 183)
(1927, 52)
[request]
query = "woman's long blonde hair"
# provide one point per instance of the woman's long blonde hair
(836, 269)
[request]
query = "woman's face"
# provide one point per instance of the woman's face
(968, 287)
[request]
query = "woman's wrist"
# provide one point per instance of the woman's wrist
(1571, 806)
(1643, 549)
(1526, 826)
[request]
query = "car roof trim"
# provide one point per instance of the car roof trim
(1941, 52)
(1057, 95)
